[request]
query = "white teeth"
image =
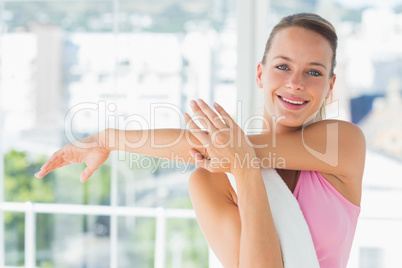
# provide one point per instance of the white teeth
(291, 101)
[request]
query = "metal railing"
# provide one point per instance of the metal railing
(31, 209)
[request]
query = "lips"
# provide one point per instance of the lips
(292, 102)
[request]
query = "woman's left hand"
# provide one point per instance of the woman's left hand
(227, 145)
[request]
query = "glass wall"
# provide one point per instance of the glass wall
(72, 68)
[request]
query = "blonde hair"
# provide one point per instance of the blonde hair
(321, 115)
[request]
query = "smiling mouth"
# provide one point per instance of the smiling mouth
(292, 101)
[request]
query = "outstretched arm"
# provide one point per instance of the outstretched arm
(329, 146)
(171, 144)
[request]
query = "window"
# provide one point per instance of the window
(72, 68)
(371, 257)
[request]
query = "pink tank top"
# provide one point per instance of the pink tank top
(331, 218)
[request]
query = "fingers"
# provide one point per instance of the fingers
(43, 172)
(40, 174)
(199, 159)
(195, 130)
(225, 116)
(211, 121)
(55, 164)
(88, 171)
(51, 160)
(55, 161)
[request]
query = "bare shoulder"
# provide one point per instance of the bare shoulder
(351, 156)
(347, 178)
(347, 130)
(352, 147)
(343, 132)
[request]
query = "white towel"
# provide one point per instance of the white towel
(294, 235)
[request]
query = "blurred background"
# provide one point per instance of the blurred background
(72, 68)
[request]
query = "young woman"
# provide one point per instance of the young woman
(322, 161)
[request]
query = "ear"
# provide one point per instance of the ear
(259, 74)
(331, 86)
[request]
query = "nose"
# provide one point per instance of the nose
(295, 82)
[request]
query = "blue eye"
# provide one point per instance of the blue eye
(282, 67)
(315, 73)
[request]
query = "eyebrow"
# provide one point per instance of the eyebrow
(310, 63)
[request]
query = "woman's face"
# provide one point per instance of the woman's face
(296, 76)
